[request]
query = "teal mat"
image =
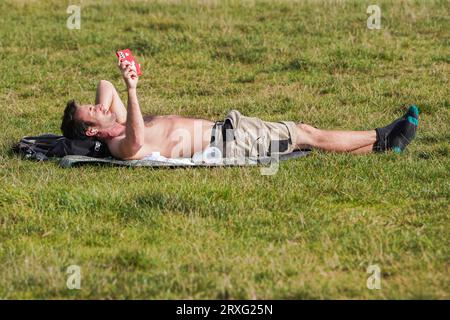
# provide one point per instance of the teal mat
(73, 161)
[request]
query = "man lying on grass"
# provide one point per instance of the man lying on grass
(129, 135)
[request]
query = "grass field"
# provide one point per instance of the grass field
(310, 231)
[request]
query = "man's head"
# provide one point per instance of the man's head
(85, 121)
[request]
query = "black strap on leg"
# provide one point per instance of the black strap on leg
(279, 146)
(226, 130)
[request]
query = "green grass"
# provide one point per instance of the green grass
(310, 231)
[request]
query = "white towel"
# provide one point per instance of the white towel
(156, 156)
(211, 155)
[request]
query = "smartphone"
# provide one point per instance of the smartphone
(126, 55)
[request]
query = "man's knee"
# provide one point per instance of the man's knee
(308, 135)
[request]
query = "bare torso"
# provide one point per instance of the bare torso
(172, 136)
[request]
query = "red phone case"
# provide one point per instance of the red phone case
(126, 55)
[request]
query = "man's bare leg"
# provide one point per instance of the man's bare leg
(395, 136)
(334, 140)
(363, 150)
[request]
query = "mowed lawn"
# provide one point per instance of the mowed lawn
(309, 231)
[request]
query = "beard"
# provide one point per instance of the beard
(108, 120)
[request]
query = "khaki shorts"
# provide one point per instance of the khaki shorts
(252, 138)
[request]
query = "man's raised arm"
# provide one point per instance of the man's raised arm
(134, 126)
(107, 95)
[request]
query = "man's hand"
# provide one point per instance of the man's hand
(129, 74)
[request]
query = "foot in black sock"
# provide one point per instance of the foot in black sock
(402, 134)
(399, 133)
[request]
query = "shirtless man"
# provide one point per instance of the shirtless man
(129, 135)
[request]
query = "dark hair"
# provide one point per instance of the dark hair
(70, 127)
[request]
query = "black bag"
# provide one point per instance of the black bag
(50, 145)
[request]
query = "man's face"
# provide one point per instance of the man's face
(96, 115)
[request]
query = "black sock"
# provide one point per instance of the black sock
(402, 134)
(381, 144)
(385, 135)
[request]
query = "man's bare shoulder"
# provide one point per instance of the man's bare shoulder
(114, 146)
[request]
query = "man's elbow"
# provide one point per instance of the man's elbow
(104, 83)
(136, 146)
(131, 151)
(136, 139)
